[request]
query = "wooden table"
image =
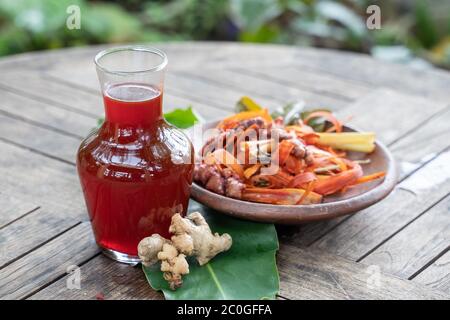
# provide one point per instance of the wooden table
(396, 249)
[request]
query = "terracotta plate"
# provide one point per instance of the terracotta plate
(356, 198)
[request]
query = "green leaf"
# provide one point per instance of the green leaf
(264, 34)
(247, 271)
(426, 29)
(246, 104)
(181, 118)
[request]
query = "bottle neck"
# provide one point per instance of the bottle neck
(133, 113)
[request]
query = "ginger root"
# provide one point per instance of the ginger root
(191, 237)
(173, 265)
(149, 247)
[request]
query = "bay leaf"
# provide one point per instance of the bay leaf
(247, 271)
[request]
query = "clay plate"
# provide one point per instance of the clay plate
(355, 199)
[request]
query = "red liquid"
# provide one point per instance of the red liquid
(130, 169)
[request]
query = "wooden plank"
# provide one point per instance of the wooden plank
(50, 143)
(47, 263)
(359, 68)
(49, 116)
(37, 87)
(317, 82)
(78, 57)
(13, 208)
(424, 144)
(251, 85)
(204, 110)
(383, 111)
(361, 233)
(196, 90)
(80, 98)
(79, 69)
(213, 93)
(437, 275)
(310, 274)
(102, 278)
(30, 232)
(182, 56)
(55, 187)
(35, 176)
(417, 244)
(432, 83)
(305, 274)
(185, 56)
(306, 234)
(82, 74)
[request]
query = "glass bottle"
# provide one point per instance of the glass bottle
(136, 169)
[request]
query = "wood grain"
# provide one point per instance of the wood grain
(424, 144)
(259, 85)
(102, 278)
(45, 115)
(363, 232)
(58, 102)
(25, 235)
(417, 244)
(46, 263)
(37, 177)
(310, 274)
(318, 83)
(432, 83)
(344, 65)
(37, 87)
(437, 275)
(78, 97)
(55, 189)
(383, 112)
(13, 208)
(50, 144)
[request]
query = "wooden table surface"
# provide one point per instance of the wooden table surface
(397, 249)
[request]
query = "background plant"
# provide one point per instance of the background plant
(410, 28)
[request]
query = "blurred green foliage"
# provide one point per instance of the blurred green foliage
(410, 28)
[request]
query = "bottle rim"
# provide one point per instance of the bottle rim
(147, 49)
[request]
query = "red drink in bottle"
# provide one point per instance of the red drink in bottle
(135, 170)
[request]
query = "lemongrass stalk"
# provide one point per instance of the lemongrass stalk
(351, 141)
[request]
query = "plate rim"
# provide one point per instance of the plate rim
(299, 214)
